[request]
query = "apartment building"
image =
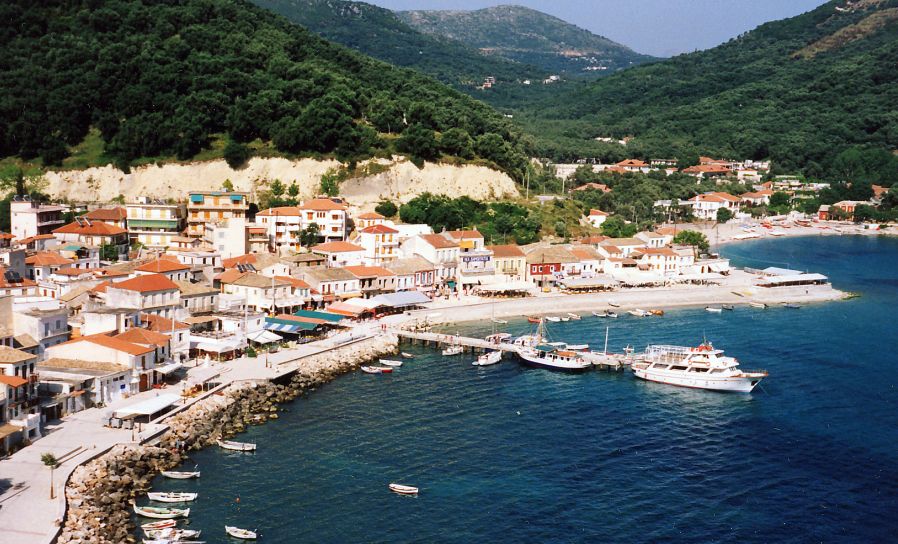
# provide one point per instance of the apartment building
(328, 214)
(155, 223)
(213, 206)
(30, 218)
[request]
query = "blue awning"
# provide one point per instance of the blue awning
(324, 316)
(196, 198)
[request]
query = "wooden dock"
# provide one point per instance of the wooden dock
(476, 345)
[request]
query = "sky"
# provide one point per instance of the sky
(656, 27)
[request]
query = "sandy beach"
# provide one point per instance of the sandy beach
(744, 231)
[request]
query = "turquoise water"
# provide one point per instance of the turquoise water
(509, 454)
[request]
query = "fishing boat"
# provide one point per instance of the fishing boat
(760, 305)
(376, 370)
(600, 314)
(161, 513)
(181, 475)
(405, 355)
(658, 313)
(713, 310)
(403, 489)
(243, 534)
(728, 307)
(702, 367)
(575, 317)
(791, 306)
(611, 315)
(390, 362)
(533, 319)
(498, 337)
(613, 304)
(488, 358)
(171, 534)
(553, 319)
(639, 313)
(156, 525)
(551, 358)
(172, 541)
(236, 446)
(172, 497)
(499, 321)
(455, 349)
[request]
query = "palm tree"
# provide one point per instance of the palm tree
(48, 459)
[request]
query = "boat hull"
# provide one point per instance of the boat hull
(165, 497)
(180, 475)
(735, 384)
(534, 362)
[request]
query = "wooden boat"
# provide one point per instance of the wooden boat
(403, 489)
(489, 358)
(161, 513)
(760, 305)
(405, 355)
(499, 321)
(613, 304)
(639, 313)
(453, 350)
(575, 317)
(553, 319)
(713, 310)
(243, 534)
(612, 315)
(237, 446)
(171, 534)
(728, 307)
(180, 475)
(172, 497)
(376, 370)
(156, 525)
(390, 362)
(658, 313)
(600, 314)
(791, 306)
(533, 319)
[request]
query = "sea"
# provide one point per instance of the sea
(507, 454)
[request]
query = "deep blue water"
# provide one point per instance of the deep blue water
(512, 455)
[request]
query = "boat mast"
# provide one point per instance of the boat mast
(605, 352)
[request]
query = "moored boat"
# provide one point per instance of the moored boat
(791, 306)
(575, 317)
(455, 349)
(172, 497)
(499, 321)
(237, 446)
(639, 313)
(390, 362)
(488, 358)
(533, 319)
(551, 358)
(403, 489)
(578, 347)
(600, 314)
(553, 319)
(613, 304)
(156, 525)
(161, 513)
(611, 315)
(713, 310)
(376, 370)
(760, 305)
(498, 337)
(702, 367)
(658, 313)
(243, 534)
(181, 475)
(405, 355)
(728, 307)
(171, 534)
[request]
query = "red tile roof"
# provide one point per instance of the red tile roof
(321, 204)
(715, 197)
(632, 163)
(598, 186)
(281, 210)
(598, 212)
(230, 275)
(147, 284)
(464, 234)
(143, 336)
(4, 283)
(161, 324)
(12, 381)
(368, 271)
(438, 241)
(249, 258)
(96, 228)
(47, 258)
(371, 215)
(506, 251)
(336, 247)
(162, 265)
(295, 282)
(379, 229)
(6, 236)
(112, 343)
(107, 214)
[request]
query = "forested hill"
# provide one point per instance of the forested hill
(165, 79)
(816, 92)
(378, 32)
(528, 36)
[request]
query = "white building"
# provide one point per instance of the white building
(340, 254)
(438, 250)
(597, 217)
(705, 206)
(328, 214)
(152, 294)
(381, 244)
(30, 218)
(155, 223)
(282, 227)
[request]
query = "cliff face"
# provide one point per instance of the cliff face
(397, 180)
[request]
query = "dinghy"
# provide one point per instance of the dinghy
(180, 475)
(172, 497)
(728, 307)
(237, 532)
(376, 370)
(161, 513)
(171, 534)
(390, 362)
(575, 317)
(713, 310)
(403, 489)
(489, 358)
(499, 321)
(237, 446)
(533, 319)
(553, 318)
(760, 305)
(791, 306)
(407, 355)
(156, 525)
(453, 350)
(639, 313)
(600, 314)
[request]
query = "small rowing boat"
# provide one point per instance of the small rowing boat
(243, 534)
(713, 310)
(728, 307)
(181, 475)
(578, 347)
(237, 446)
(171, 534)
(499, 321)
(453, 350)
(407, 355)
(760, 305)
(172, 497)
(376, 370)
(553, 319)
(156, 525)
(390, 362)
(613, 304)
(403, 489)
(600, 314)
(532, 319)
(639, 313)
(575, 317)
(161, 513)
(791, 306)
(658, 313)
(489, 358)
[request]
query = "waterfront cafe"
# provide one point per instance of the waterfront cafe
(508, 289)
(145, 409)
(595, 284)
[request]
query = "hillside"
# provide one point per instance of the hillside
(529, 36)
(816, 92)
(169, 79)
(380, 33)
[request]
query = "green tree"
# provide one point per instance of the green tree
(616, 227)
(293, 190)
(308, 236)
(235, 154)
(419, 142)
(227, 185)
(561, 229)
(108, 252)
(386, 208)
(724, 215)
(49, 460)
(693, 238)
(458, 142)
(277, 189)
(330, 183)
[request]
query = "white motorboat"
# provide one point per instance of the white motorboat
(405, 355)
(702, 367)
(498, 337)
(403, 489)
(578, 347)
(243, 534)
(499, 321)
(565, 319)
(455, 349)
(760, 305)
(161, 513)
(172, 497)
(553, 319)
(172, 541)
(237, 446)
(600, 314)
(181, 475)
(489, 358)
(171, 534)
(713, 310)
(639, 313)
(612, 315)
(156, 525)
(575, 317)
(377, 370)
(552, 358)
(390, 362)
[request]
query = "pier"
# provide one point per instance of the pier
(601, 361)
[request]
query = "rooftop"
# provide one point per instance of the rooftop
(146, 284)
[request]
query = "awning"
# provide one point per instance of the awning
(288, 325)
(169, 368)
(402, 298)
(719, 267)
(265, 337)
(795, 279)
(6, 430)
(196, 320)
(326, 316)
(343, 308)
(586, 283)
(202, 375)
(148, 407)
(222, 347)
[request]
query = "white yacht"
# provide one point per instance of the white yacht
(552, 358)
(702, 367)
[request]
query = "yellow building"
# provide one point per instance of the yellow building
(211, 207)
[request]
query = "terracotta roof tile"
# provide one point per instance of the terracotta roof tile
(147, 283)
(336, 247)
(321, 204)
(96, 228)
(162, 265)
(107, 214)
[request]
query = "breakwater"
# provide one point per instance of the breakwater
(100, 493)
